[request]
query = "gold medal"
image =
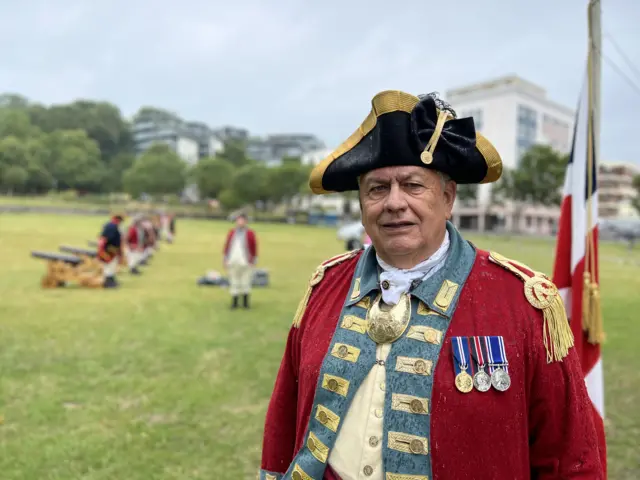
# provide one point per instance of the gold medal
(464, 382)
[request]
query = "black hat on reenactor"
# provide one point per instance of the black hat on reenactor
(403, 129)
(120, 214)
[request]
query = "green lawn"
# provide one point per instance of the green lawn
(159, 380)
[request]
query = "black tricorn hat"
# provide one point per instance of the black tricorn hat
(402, 129)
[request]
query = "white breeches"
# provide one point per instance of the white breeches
(110, 269)
(240, 277)
(133, 258)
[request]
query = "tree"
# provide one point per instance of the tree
(159, 171)
(466, 192)
(13, 100)
(538, 178)
(234, 152)
(14, 178)
(116, 167)
(16, 123)
(283, 182)
(229, 199)
(75, 161)
(250, 183)
(636, 200)
(212, 175)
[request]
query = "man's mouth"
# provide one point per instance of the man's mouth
(397, 225)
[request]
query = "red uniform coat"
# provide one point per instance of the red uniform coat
(132, 238)
(541, 428)
(251, 246)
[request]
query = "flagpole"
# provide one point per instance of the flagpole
(591, 308)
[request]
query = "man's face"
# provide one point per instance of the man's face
(404, 211)
(241, 221)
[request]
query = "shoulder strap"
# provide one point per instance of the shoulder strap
(543, 295)
(316, 278)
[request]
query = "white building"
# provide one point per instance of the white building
(616, 193)
(187, 149)
(514, 115)
(314, 157)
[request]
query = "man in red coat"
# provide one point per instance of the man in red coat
(240, 256)
(135, 245)
(423, 357)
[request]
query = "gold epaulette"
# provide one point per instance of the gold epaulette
(542, 294)
(316, 278)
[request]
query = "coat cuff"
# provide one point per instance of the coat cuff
(265, 475)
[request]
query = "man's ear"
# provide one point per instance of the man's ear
(450, 192)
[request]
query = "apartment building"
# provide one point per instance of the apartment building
(514, 114)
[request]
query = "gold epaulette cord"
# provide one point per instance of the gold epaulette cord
(543, 295)
(316, 278)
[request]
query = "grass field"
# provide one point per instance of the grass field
(159, 380)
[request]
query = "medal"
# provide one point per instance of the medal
(481, 380)
(500, 379)
(463, 381)
(498, 364)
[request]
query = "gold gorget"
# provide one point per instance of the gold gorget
(387, 323)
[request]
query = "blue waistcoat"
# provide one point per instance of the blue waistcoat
(409, 369)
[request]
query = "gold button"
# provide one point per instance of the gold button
(385, 284)
(323, 417)
(379, 412)
(343, 351)
(416, 446)
(416, 406)
(333, 385)
(420, 366)
(311, 445)
(348, 322)
(373, 441)
(431, 336)
(296, 476)
(383, 387)
(368, 470)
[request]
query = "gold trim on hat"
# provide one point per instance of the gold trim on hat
(397, 101)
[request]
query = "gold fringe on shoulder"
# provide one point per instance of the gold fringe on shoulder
(316, 278)
(543, 295)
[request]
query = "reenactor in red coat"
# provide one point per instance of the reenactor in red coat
(240, 256)
(135, 245)
(423, 357)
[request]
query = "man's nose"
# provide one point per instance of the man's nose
(395, 200)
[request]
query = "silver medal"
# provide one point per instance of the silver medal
(500, 380)
(482, 381)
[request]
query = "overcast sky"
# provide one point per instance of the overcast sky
(300, 66)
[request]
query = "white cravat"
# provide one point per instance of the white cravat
(400, 280)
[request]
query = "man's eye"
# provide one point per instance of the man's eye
(378, 188)
(413, 185)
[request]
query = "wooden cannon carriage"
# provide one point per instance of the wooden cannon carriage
(63, 269)
(88, 256)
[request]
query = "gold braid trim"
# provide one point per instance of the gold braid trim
(316, 278)
(543, 295)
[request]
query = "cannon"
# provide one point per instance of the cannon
(65, 268)
(91, 256)
(81, 252)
